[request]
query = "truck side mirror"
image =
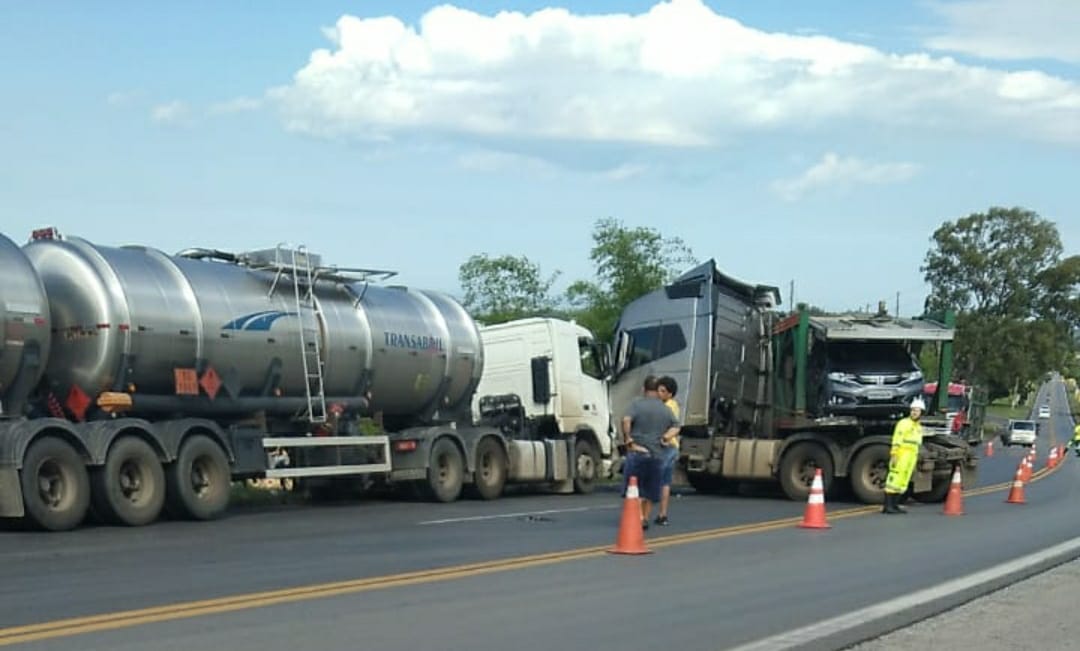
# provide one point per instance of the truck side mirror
(624, 343)
(541, 380)
(605, 360)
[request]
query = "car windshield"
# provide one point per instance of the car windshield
(853, 357)
(1024, 425)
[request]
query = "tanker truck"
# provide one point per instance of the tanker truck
(134, 382)
(769, 397)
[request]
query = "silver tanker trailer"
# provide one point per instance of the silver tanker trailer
(132, 381)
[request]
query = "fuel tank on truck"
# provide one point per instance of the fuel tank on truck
(127, 317)
(24, 328)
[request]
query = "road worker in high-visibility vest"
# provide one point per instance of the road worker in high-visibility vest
(903, 455)
(1076, 440)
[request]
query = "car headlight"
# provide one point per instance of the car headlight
(840, 377)
(912, 375)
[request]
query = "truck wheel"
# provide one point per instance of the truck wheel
(55, 485)
(130, 488)
(939, 490)
(199, 481)
(868, 473)
(446, 471)
(490, 475)
(711, 484)
(587, 471)
(798, 466)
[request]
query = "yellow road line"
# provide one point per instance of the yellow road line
(124, 619)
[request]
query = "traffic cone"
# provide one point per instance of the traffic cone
(1025, 470)
(954, 503)
(814, 516)
(989, 449)
(1052, 460)
(631, 538)
(1016, 495)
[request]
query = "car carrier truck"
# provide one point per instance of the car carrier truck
(132, 381)
(757, 400)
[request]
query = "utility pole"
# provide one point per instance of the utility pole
(791, 294)
(897, 313)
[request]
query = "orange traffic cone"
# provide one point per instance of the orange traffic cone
(989, 448)
(814, 517)
(1025, 470)
(1016, 495)
(631, 538)
(954, 503)
(1052, 460)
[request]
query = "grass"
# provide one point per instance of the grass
(1003, 409)
(246, 494)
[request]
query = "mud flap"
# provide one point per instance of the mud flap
(922, 480)
(11, 500)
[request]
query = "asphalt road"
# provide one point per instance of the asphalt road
(387, 575)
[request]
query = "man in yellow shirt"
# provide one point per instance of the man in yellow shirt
(903, 455)
(667, 390)
(1075, 441)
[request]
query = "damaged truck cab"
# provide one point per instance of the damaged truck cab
(763, 393)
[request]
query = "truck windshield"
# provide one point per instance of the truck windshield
(1024, 425)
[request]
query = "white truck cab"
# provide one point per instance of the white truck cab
(559, 371)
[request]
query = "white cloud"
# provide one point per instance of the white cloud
(497, 161)
(502, 161)
(236, 105)
(1010, 29)
(172, 113)
(833, 171)
(123, 98)
(624, 172)
(676, 75)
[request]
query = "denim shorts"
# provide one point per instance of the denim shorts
(647, 469)
(667, 465)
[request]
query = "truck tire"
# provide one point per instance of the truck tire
(868, 473)
(491, 469)
(939, 490)
(587, 466)
(797, 468)
(198, 482)
(130, 488)
(55, 485)
(446, 471)
(711, 484)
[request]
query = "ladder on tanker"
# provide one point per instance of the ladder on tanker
(310, 352)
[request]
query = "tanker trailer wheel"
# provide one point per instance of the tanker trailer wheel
(868, 473)
(130, 488)
(446, 471)
(587, 460)
(199, 480)
(55, 485)
(491, 469)
(798, 466)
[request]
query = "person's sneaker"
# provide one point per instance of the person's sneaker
(644, 523)
(662, 520)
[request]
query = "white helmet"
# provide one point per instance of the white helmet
(918, 403)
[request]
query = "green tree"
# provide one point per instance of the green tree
(991, 262)
(503, 288)
(1016, 300)
(629, 263)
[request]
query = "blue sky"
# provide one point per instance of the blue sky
(820, 142)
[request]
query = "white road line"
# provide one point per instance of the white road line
(809, 634)
(519, 515)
